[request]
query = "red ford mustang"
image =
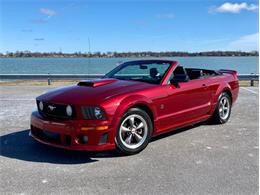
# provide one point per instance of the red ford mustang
(134, 102)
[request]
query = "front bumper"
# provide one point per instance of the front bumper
(69, 134)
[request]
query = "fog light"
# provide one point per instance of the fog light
(69, 110)
(82, 139)
(103, 139)
(85, 139)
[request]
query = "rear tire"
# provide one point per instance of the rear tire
(134, 132)
(223, 109)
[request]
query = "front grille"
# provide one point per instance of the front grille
(55, 111)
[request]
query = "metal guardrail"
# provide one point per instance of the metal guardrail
(49, 77)
(249, 77)
(246, 77)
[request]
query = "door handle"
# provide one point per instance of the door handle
(204, 85)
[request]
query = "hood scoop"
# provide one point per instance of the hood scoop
(96, 83)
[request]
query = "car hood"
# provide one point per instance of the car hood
(93, 91)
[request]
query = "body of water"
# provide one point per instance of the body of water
(244, 65)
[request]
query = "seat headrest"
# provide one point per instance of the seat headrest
(154, 72)
(196, 74)
(179, 70)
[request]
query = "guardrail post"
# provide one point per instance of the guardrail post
(252, 80)
(49, 79)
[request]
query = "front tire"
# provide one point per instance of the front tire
(223, 109)
(134, 132)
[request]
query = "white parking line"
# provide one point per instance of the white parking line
(249, 90)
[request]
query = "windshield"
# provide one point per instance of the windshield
(140, 71)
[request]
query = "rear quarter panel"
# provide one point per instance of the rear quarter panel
(220, 83)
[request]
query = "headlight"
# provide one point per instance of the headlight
(41, 105)
(69, 110)
(98, 113)
(93, 112)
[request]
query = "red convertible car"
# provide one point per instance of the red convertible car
(134, 102)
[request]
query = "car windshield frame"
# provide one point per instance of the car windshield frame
(146, 79)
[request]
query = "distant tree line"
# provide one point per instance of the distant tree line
(18, 54)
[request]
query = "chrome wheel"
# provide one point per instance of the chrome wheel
(224, 108)
(133, 131)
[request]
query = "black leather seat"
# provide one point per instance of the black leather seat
(180, 72)
(196, 74)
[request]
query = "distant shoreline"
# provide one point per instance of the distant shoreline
(125, 57)
(28, 54)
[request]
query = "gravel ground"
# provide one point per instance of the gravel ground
(202, 159)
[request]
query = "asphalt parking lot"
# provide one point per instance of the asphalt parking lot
(203, 159)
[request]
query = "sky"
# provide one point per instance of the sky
(123, 26)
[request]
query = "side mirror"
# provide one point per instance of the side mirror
(179, 79)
